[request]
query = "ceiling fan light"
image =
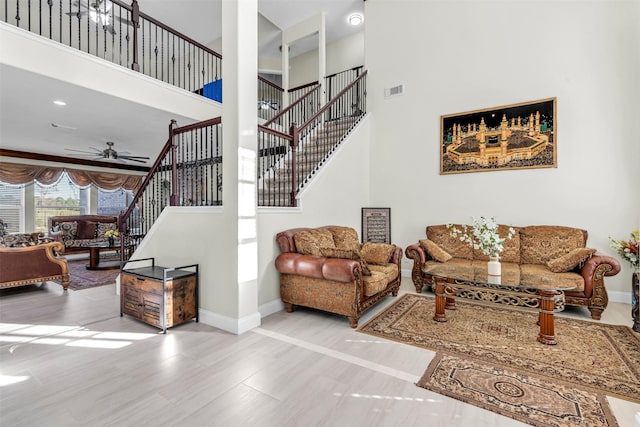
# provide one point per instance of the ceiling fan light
(355, 19)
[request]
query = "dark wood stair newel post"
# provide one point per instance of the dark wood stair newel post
(173, 200)
(135, 19)
(293, 131)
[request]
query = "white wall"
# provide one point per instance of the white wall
(461, 56)
(342, 54)
(192, 235)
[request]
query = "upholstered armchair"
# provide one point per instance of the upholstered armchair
(326, 268)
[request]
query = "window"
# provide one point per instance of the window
(12, 207)
(113, 202)
(28, 208)
(61, 198)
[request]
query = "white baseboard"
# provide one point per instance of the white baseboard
(618, 296)
(271, 307)
(229, 324)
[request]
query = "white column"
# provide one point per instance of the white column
(285, 73)
(322, 58)
(239, 130)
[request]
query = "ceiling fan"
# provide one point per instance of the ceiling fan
(266, 105)
(99, 12)
(110, 154)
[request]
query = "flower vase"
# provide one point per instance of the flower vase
(635, 296)
(493, 267)
(110, 241)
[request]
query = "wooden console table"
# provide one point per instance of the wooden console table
(160, 296)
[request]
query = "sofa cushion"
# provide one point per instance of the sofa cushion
(344, 237)
(511, 247)
(69, 230)
(569, 261)
(539, 275)
(346, 254)
(375, 283)
(309, 242)
(17, 240)
(435, 251)
(441, 236)
(390, 271)
(377, 253)
(541, 243)
(102, 228)
(86, 230)
(85, 243)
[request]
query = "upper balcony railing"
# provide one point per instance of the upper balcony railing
(121, 34)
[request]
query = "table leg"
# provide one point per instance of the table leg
(94, 257)
(439, 315)
(545, 318)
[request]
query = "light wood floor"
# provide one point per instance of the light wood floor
(71, 360)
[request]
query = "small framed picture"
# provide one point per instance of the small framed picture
(376, 225)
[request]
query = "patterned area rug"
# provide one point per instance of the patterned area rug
(515, 394)
(593, 356)
(81, 278)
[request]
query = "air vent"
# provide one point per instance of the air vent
(394, 91)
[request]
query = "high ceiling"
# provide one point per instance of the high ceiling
(27, 113)
(194, 17)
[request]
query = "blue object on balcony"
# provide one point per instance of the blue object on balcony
(213, 90)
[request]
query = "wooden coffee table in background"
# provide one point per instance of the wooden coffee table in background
(94, 257)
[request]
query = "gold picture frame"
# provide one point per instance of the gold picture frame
(516, 136)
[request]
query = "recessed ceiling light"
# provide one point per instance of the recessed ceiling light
(58, 102)
(355, 19)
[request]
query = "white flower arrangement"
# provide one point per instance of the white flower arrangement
(629, 250)
(483, 235)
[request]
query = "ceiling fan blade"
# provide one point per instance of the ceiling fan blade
(109, 29)
(97, 153)
(123, 20)
(131, 159)
(79, 14)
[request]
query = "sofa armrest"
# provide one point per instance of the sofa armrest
(417, 253)
(595, 269)
(337, 269)
(419, 256)
(396, 256)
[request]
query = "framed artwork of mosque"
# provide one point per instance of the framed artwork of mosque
(516, 136)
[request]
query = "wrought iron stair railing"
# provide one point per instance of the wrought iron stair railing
(287, 161)
(187, 172)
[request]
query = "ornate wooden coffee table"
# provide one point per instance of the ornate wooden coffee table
(447, 288)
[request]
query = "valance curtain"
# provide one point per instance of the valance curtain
(13, 173)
